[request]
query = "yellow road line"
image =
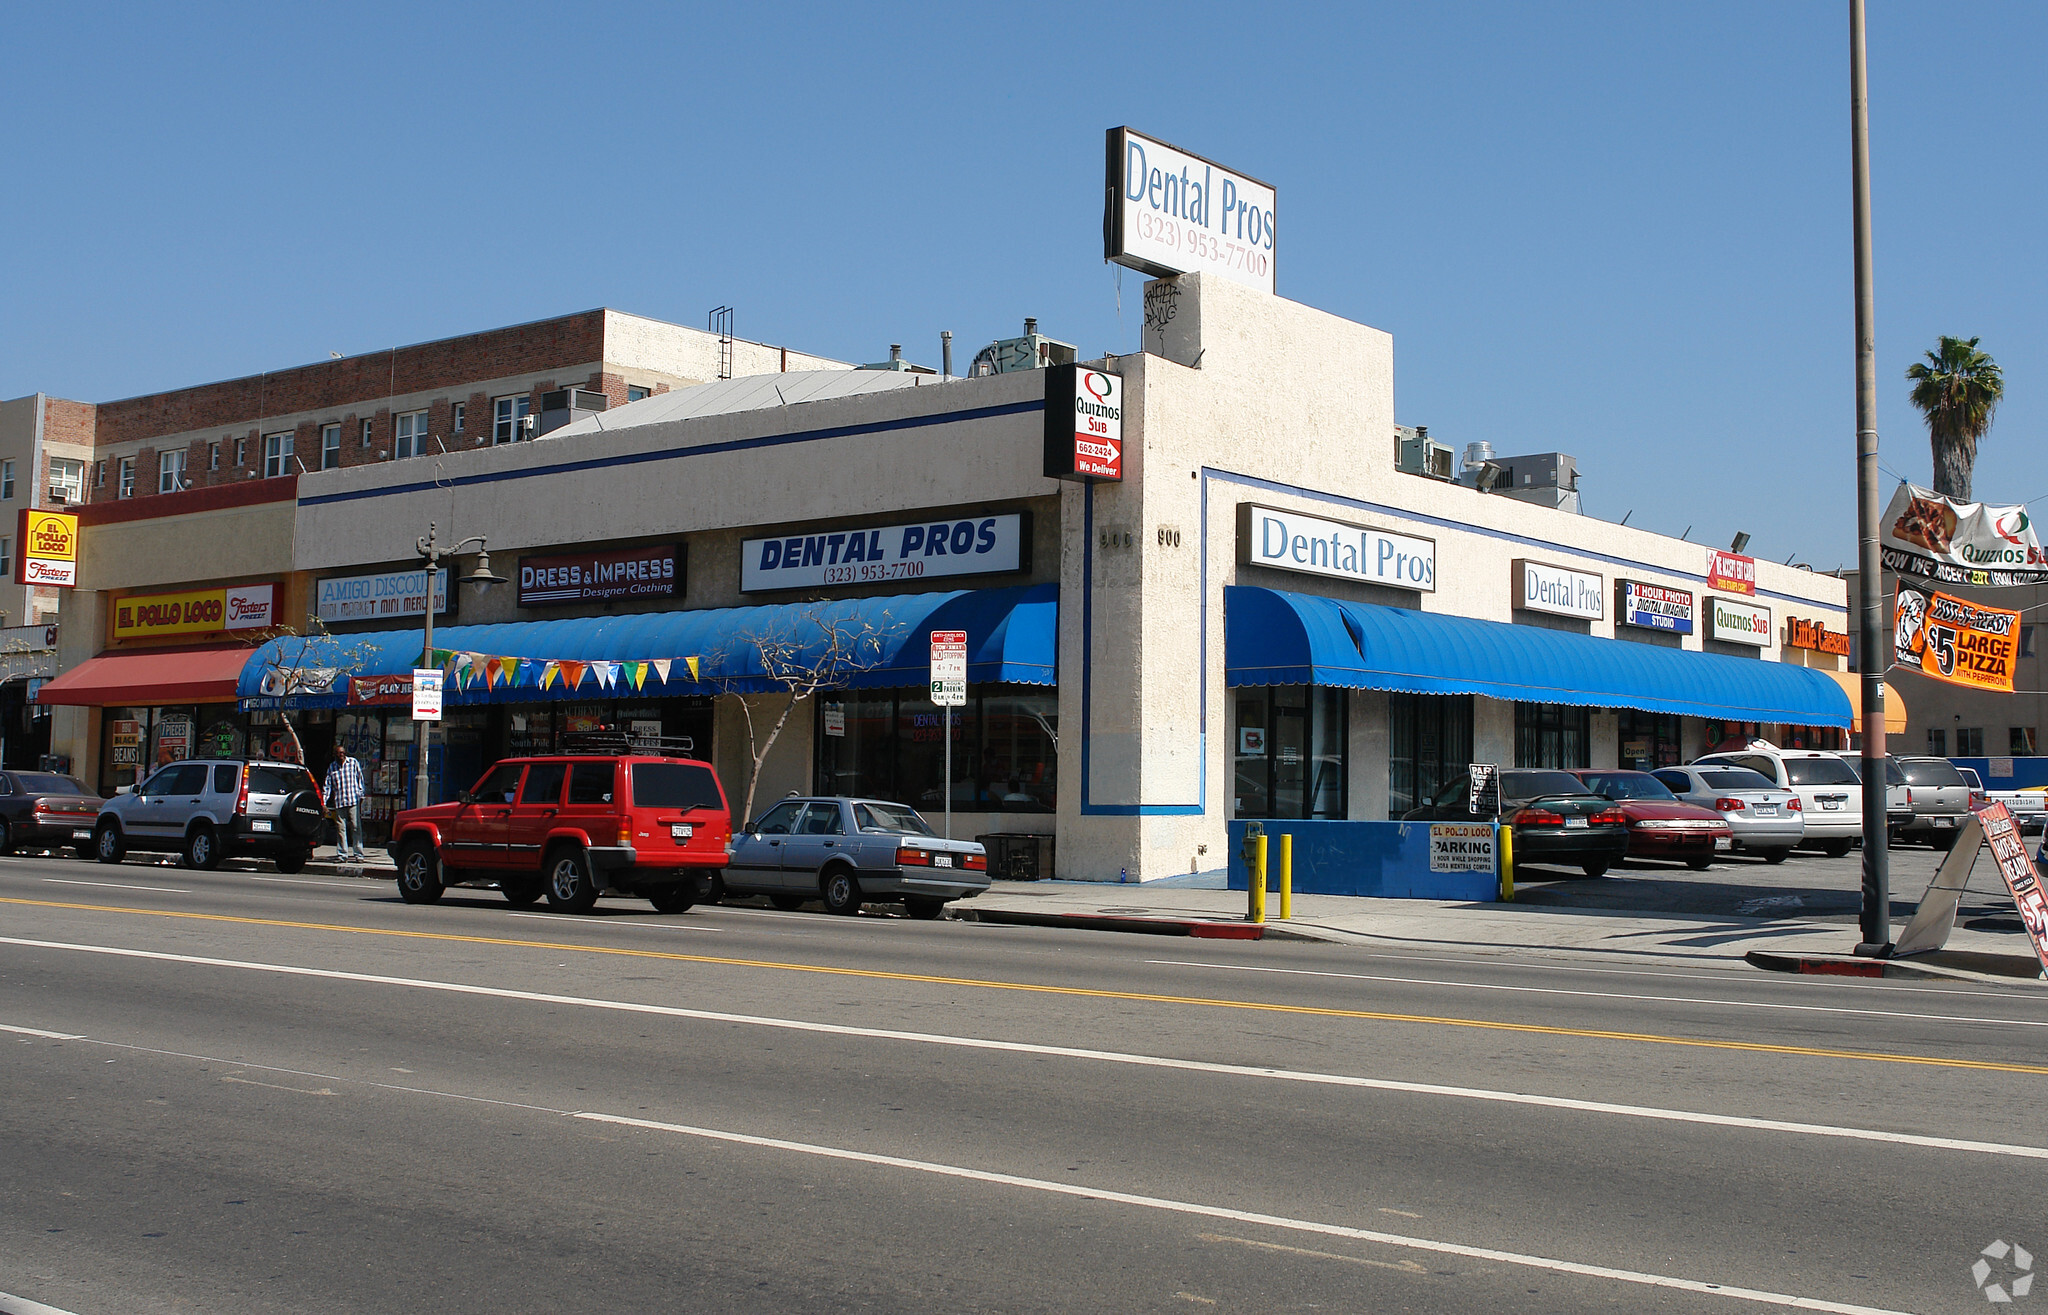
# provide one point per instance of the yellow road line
(1093, 993)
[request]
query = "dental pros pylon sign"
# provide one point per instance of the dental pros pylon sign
(1084, 424)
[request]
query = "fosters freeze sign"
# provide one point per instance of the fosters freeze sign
(1173, 212)
(1292, 541)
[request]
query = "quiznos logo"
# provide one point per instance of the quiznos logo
(1097, 397)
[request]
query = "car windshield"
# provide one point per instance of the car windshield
(1627, 785)
(1827, 770)
(44, 783)
(1932, 771)
(1535, 785)
(890, 817)
(278, 780)
(675, 785)
(1736, 778)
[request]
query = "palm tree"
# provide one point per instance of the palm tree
(1956, 388)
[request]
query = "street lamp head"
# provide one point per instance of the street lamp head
(481, 577)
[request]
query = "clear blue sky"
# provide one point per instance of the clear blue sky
(1618, 230)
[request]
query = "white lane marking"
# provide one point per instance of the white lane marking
(12, 1305)
(1604, 995)
(1736, 969)
(115, 885)
(301, 881)
(1069, 1052)
(38, 1032)
(613, 922)
(1429, 1245)
(775, 913)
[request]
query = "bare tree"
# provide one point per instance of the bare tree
(314, 662)
(804, 652)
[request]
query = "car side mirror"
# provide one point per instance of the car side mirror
(124, 789)
(466, 797)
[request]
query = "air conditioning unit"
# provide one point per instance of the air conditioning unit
(1418, 454)
(57, 497)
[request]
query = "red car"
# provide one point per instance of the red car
(572, 826)
(1660, 825)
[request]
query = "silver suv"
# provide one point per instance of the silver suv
(1941, 801)
(213, 808)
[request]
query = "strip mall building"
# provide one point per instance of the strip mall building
(1263, 618)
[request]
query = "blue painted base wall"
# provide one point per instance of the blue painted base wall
(2025, 772)
(1389, 860)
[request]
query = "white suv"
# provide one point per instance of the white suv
(209, 809)
(1827, 787)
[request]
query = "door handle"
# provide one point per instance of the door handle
(831, 844)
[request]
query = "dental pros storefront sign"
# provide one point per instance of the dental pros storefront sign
(1172, 212)
(1293, 541)
(1540, 587)
(973, 545)
(1084, 424)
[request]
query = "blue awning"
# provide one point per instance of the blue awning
(1012, 637)
(1275, 638)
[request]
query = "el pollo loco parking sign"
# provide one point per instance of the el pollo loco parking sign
(1084, 424)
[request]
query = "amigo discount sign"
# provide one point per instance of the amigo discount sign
(1084, 424)
(1954, 639)
(49, 548)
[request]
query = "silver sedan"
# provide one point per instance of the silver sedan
(1764, 819)
(849, 851)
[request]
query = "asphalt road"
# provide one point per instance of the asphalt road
(242, 1092)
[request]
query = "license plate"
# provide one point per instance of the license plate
(1724, 842)
(1831, 805)
(942, 860)
(81, 835)
(681, 831)
(1766, 810)
(1575, 823)
(1944, 821)
(259, 826)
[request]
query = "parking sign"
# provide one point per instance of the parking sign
(949, 668)
(426, 694)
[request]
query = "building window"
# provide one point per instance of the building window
(241, 453)
(2026, 641)
(412, 434)
(6, 480)
(1290, 746)
(2021, 742)
(277, 454)
(1551, 735)
(1969, 741)
(67, 479)
(6, 555)
(170, 471)
(99, 476)
(1005, 755)
(1648, 741)
(366, 433)
(634, 394)
(456, 426)
(125, 488)
(507, 413)
(1937, 742)
(1429, 745)
(330, 446)
(213, 456)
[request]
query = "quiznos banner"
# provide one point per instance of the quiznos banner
(973, 545)
(1954, 639)
(1935, 538)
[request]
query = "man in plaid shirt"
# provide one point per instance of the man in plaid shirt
(345, 796)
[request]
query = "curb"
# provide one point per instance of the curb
(1199, 928)
(1849, 965)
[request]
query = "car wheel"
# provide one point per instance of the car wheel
(924, 909)
(787, 903)
(1776, 856)
(674, 899)
(6, 837)
(842, 892)
(82, 850)
(1699, 864)
(107, 845)
(419, 873)
(521, 892)
(292, 861)
(717, 891)
(1836, 848)
(1596, 869)
(1943, 841)
(569, 883)
(202, 849)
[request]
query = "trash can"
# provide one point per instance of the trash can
(1013, 857)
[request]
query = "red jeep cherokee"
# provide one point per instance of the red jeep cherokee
(572, 826)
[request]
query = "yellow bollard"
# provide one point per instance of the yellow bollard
(1256, 886)
(1286, 875)
(1507, 861)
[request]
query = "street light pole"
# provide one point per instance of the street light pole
(1877, 905)
(432, 551)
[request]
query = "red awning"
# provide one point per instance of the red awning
(149, 678)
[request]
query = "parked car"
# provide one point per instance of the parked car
(1976, 783)
(1660, 825)
(849, 851)
(43, 810)
(2029, 806)
(1829, 790)
(605, 818)
(209, 809)
(1898, 795)
(1941, 801)
(1763, 819)
(1554, 819)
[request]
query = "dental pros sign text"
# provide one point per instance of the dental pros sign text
(1292, 541)
(1084, 424)
(1172, 212)
(877, 554)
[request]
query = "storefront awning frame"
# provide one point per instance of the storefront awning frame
(150, 678)
(1273, 637)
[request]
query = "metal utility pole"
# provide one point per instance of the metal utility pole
(1871, 642)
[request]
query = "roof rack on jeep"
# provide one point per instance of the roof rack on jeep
(609, 742)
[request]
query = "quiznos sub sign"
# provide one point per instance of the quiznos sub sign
(1292, 541)
(940, 546)
(1084, 424)
(1171, 212)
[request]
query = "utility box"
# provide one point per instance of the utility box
(1014, 857)
(1416, 453)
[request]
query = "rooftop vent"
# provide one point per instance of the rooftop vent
(1033, 351)
(1416, 453)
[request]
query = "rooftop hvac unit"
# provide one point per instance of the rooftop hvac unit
(566, 406)
(1033, 351)
(1418, 454)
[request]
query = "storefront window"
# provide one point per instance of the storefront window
(1429, 746)
(1647, 741)
(886, 746)
(1291, 746)
(1551, 735)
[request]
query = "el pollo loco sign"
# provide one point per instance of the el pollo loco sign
(196, 612)
(49, 548)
